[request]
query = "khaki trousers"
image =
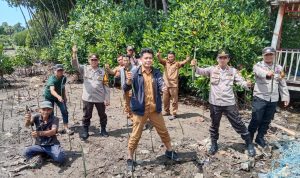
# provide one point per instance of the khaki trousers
(156, 120)
(171, 95)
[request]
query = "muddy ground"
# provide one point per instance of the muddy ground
(106, 157)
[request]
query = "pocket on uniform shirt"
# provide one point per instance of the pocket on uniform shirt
(214, 80)
(230, 80)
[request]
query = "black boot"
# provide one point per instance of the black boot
(213, 148)
(250, 147)
(103, 132)
(251, 136)
(261, 141)
(85, 133)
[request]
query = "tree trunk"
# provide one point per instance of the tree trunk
(165, 6)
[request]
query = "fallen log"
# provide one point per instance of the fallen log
(288, 131)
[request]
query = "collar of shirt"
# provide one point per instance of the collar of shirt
(144, 70)
(223, 70)
(41, 121)
(93, 70)
(171, 63)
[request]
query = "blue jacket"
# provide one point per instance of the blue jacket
(137, 102)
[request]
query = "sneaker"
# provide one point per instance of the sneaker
(130, 165)
(69, 131)
(149, 126)
(103, 132)
(129, 123)
(171, 118)
(172, 155)
(36, 162)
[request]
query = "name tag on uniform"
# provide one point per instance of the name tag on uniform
(100, 78)
(229, 76)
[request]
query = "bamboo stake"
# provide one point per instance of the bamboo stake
(18, 99)
(28, 91)
(56, 110)
(151, 140)
(181, 127)
(73, 117)
(80, 103)
(3, 122)
(19, 139)
(69, 97)
(12, 104)
(71, 88)
(38, 96)
(83, 160)
(1, 105)
(70, 142)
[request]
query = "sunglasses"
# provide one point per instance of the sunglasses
(94, 59)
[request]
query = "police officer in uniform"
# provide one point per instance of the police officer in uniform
(269, 84)
(222, 100)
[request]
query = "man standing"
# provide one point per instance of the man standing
(95, 92)
(269, 84)
(171, 73)
(55, 92)
(45, 134)
(116, 71)
(222, 100)
(128, 67)
(146, 83)
(130, 54)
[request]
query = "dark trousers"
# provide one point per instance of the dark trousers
(63, 109)
(55, 152)
(234, 118)
(88, 113)
(262, 114)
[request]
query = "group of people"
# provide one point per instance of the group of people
(146, 90)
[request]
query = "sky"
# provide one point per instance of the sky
(12, 15)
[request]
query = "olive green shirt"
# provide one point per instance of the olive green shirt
(59, 87)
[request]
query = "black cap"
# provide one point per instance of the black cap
(58, 67)
(268, 50)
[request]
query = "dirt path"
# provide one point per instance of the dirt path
(106, 157)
